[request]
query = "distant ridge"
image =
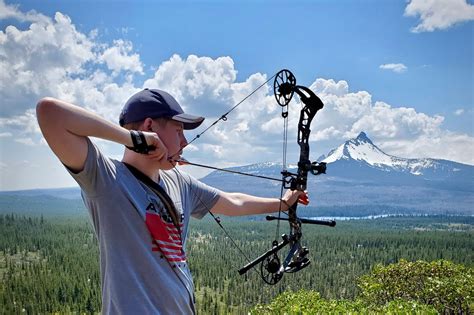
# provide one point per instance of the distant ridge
(360, 179)
(64, 193)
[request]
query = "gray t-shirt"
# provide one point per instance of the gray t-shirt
(137, 275)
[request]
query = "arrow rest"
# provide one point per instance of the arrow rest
(318, 168)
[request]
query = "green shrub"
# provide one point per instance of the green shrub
(307, 302)
(310, 302)
(403, 288)
(446, 286)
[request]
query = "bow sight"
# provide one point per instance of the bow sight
(271, 268)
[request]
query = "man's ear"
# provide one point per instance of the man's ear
(147, 124)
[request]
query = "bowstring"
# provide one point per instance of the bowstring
(284, 166)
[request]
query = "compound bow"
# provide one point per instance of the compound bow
(271, 268)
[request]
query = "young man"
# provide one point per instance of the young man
(140, 207)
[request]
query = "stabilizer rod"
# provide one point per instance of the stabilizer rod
(330, 223)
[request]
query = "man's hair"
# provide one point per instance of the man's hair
(137, 124)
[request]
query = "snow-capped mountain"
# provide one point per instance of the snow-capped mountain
(361, 157)
(361, 178)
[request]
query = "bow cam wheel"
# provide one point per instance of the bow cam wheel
(269, 270)
(283, 87)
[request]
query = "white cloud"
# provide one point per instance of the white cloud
(9, 11)
(445, 145)
(53, 58)
(459, 112)
(326, 134)
(24, 127)
(439, 14)
(117, 58)
(26, 141)
(198, 81)
(388, 122)
(395, 67)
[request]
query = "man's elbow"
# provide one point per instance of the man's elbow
(45, 104)
(45, 109)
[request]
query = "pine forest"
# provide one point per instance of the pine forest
(50, 264)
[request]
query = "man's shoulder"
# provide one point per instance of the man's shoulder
(174, 175)
(178, 178)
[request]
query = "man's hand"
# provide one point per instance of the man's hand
(291, 196)
(159, 151)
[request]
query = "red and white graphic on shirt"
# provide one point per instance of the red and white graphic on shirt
(167, 238)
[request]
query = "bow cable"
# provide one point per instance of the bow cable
(284, 114)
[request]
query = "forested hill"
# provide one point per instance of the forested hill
(50, 265)
(42, 202)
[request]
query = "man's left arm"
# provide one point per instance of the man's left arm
(237, 204)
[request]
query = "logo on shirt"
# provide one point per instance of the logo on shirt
(165, 234)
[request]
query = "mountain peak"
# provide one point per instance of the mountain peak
(361, 149)
(362, 137)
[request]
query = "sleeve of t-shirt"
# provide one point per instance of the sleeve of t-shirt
(203, 197)
(98, 175)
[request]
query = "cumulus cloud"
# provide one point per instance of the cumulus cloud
(444, 145)
(52, 58)
(13, 12)
(197, 81)
(439, 14)
(254, 129)
(118, 58)
(395, 67)
(396, 123)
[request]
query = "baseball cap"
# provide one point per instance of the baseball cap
(154, 103)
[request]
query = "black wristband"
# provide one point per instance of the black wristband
(139, 142)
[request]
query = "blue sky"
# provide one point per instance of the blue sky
(401, 71)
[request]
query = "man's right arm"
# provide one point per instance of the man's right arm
(66, 126)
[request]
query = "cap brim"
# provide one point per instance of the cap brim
(189, 121)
